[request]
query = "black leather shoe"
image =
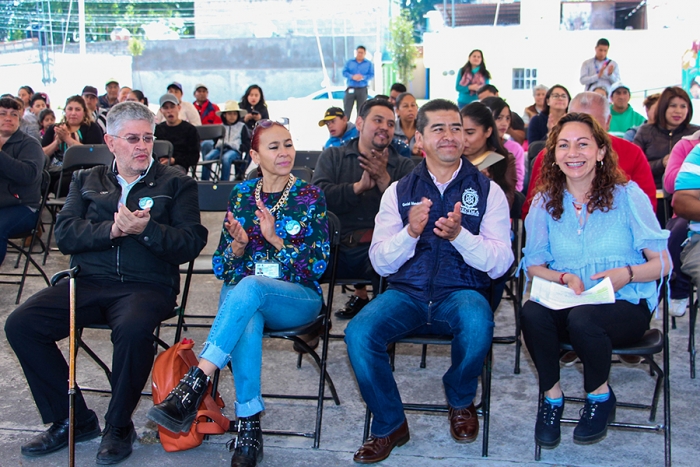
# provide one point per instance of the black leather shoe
(352, 307)
(177, 412)
(248, 445)
(56, 437)
(117, 444)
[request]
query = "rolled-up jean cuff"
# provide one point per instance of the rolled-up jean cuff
(215, 355)
(251, 407)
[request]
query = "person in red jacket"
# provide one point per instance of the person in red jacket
(631, 158)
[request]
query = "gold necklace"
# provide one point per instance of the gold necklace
(285, 194)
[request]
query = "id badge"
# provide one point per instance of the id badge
(271, 269)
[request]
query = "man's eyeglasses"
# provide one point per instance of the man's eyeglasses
(558, 96)
(133, 139)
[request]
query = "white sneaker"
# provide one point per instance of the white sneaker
(678, 306)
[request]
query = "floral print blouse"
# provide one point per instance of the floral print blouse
(301, 223)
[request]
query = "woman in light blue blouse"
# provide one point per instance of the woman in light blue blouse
(588, 223)
(273, 250)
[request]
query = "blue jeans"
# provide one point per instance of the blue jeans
(226, 161)
(236, 334)
(14, 220)
(206, 146)
(393, 315)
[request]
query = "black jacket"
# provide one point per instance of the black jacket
(173, 236)
(21, 164)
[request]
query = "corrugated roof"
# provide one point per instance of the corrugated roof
(480, 14)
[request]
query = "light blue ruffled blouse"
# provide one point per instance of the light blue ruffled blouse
(607, 240)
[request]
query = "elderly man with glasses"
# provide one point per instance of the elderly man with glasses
(128, 226)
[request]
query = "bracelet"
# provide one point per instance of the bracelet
(561, 278)
(629, 269)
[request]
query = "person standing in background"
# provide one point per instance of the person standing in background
(358, 72)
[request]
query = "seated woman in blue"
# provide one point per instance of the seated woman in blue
(273, 250)
(587, 223)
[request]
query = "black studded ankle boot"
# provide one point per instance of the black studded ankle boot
(177, 412)
(248, 445)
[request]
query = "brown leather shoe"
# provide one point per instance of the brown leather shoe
(377, 449)
(464, 424)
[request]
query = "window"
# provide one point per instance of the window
(524, 78)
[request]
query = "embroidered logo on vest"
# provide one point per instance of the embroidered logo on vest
(470, 198)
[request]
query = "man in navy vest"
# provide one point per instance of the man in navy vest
(441, 234)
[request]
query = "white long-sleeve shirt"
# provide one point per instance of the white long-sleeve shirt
(490, 251)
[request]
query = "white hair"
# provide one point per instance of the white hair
(125, 112)
(539, 87)
(590, 101)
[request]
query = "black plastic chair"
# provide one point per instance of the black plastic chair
(210, 132)
(76, 157)
(652, 343)
(162, 148)
(307, 159)
(17, 244)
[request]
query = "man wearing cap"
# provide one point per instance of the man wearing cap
(622, 115)
(99, 115)
(183, 135)
(353, 177)
(233, 145)
(208, 111)
(187, 111)
(128, 226)
(358, 72)
(340, 129)
(111, 97)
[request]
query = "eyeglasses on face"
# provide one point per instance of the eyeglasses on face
(558, 96)
(133, 139)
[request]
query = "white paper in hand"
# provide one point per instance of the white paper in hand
(558, 297)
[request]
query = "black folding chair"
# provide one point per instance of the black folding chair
(76, 157)
(210, 132)
(17, 243)
(652, 343)
(162, 148)
(306, 159)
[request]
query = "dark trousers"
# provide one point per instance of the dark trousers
(14, 220)
(354, 263)
(132, 311)
(353, 95)
(592, 330)
(680, 283)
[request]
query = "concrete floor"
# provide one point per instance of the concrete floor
(513, 407)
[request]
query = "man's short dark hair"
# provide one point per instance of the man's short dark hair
(487, 87)
(382, 96)
(434, 105)
(398, 87)
(361, 47)
(11, 103)
(603, 42)
(367, 106)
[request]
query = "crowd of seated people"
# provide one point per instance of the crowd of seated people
(406, 181)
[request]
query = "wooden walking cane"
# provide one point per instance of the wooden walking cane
(72, 387)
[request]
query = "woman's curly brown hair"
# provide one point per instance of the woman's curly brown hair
(552, 181)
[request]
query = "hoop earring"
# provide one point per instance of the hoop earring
(601, 164)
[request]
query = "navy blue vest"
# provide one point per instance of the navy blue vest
(437, 269)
